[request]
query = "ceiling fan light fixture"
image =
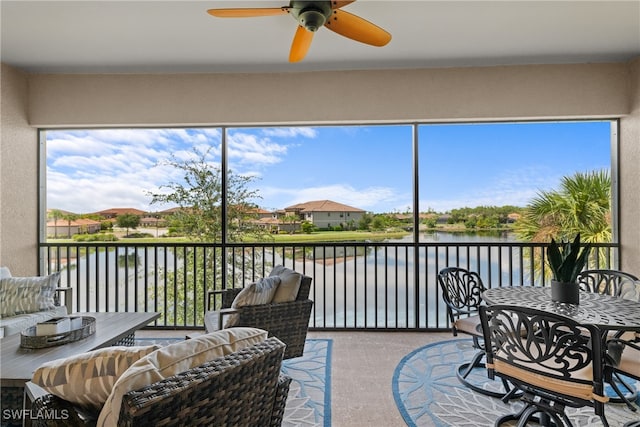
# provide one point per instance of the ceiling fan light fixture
(312, 20)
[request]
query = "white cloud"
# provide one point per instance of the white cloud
(369, 199)
(290, 132)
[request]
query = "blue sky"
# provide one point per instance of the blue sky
(368, 167)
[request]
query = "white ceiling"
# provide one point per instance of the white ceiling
(179, 36)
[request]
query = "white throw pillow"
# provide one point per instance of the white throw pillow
(21, 295)
(86, 379)
(289, 285)
(4, 272)
(257, 293)
(174, 359)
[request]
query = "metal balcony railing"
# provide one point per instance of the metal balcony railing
(356, 286)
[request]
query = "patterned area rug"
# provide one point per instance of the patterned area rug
(309, 400)
(428, 393)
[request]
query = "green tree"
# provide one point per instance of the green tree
(292, 219)
(69, 217)
(365, 221)
(199, 196)
(128, 221)
(582, 205)
(56, 214)
(307, 227)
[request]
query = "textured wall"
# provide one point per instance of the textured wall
(488, 93)
(630, 176)
(18, 177)
(537, 91)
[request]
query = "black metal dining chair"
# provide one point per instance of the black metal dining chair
(555, 361)
(462, 293)
(605, 282)
(619, 284)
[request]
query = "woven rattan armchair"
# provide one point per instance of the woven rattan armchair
(244, 388)
(289, 321)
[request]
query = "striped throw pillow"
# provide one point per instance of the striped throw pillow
(87, 379)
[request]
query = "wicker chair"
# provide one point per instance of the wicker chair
(289, 321)
(244, 388)
(553, 360)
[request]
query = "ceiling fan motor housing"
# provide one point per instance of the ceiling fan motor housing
(311, 14)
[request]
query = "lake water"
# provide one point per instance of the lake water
(353, 287)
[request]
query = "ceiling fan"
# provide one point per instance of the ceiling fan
(311, 15)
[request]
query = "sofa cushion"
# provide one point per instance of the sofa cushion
(87, 379)
(20, 295)
(174, 359)
(289, 286)
(20, 322)
(257, 293)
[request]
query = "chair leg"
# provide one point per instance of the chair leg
(542, 411)
(465, 370)
(627, 399)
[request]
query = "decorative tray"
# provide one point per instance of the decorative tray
(29, 339)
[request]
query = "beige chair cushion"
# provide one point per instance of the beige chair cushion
(174, 359)
(87, 379)
(289, 286)
(538, 379)
(257, 293)
(470, 325)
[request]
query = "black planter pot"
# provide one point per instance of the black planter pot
(568, 293)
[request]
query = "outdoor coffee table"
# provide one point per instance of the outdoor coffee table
(17, 364)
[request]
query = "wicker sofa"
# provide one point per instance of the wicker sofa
(13, 323)
(244, 388)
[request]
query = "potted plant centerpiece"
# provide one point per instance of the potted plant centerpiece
(566, 260)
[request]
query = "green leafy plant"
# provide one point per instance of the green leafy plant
(566, 259)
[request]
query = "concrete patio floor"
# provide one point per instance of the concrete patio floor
(362, 368)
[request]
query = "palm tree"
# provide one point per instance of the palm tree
(55, 214)
(582, 205)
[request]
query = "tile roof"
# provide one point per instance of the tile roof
(322, 206)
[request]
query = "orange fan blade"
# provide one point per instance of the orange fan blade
(339, 4)
(356, 28)
(300, 45)
(248, 12)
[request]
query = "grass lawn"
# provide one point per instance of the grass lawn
(318, 236)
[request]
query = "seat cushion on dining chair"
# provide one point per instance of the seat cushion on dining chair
(630, 290)
(572, 388)
(469, 325)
